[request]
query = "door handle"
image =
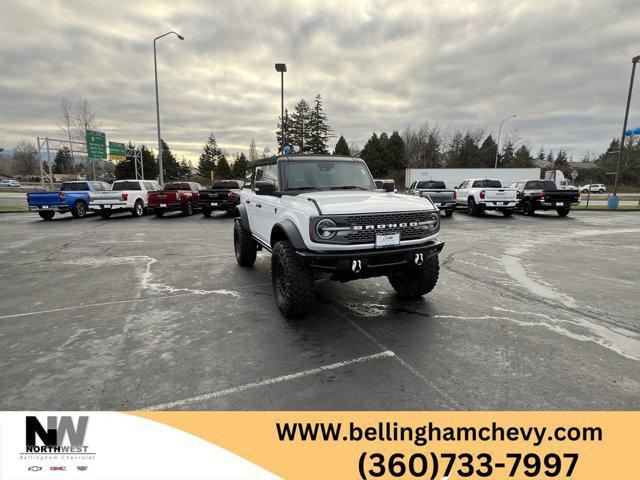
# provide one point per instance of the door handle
(258, 205)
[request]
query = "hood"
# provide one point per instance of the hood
(347, 202)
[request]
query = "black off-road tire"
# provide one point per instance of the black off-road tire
(138, 209)
(294, 287)
(206, 211)
(244, 245)
(79, 209)
(563, 212)
(507, 212)
(187, 211)
(105, 214)
(448, 212)
(601, 191)
(528, 208)
(159, 213)
(46, 215)
(474, 210)
(417, 282)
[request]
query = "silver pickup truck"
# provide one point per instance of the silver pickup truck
(442, 197)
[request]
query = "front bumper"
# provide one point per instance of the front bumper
(370, 263)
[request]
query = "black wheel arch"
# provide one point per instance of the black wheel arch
(241, 212)
(287, 230)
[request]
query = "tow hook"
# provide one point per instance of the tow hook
(418, 259)
(356, 266)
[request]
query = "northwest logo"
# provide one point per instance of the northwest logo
(61, 435)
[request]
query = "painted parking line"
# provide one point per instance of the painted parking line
(269, 381)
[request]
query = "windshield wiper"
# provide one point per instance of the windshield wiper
(302, 188)
(349, 187)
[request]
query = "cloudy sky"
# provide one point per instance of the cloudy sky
(562, 66)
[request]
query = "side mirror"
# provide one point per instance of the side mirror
(264, 188)
(389, 187)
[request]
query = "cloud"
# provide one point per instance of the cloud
(563, 67)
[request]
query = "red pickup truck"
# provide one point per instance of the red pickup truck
(183, 196)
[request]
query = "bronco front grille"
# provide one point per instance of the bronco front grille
(409, 232)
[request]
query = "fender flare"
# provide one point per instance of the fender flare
(292, 233)
(244, 218)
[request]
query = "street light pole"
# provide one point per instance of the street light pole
(282, 67)
(155, 70)
(634, 60)
(499, 132)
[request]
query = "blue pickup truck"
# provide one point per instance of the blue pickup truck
(73, 197)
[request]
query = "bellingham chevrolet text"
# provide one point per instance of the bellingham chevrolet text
(322, 216)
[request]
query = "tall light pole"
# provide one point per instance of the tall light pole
(634, 60)
(499, 132)
(155, 69)
(282, 67)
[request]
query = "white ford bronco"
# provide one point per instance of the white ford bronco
(323, 216)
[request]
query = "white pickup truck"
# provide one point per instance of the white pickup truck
(323, 216)
(125, 196)
(480, 194)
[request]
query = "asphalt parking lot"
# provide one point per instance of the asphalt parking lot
(123, 314)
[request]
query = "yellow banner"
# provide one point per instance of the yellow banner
(500, 445)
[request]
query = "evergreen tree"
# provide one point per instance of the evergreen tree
(469, 156)
(431, 157)
(561, 160)
(319, 131)
(454, 155)
(63, 163)
(209, 157)
(126, 168)
(297, 128)
(240, 165)
(223, 170)
(149, 163)
(487, 153)
(507, 157)
(549, 158)
(374, 156)
(523, 158)
(173, 170)
(282, 142)
(540, 156)
(341, 147)
(396, 153)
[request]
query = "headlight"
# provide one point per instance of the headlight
(432, 222)
(325, 229)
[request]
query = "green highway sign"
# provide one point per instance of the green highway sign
(96, 144)
(117, 151)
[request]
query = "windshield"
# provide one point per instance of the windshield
(177, 186)
(327, 175)
(431, 184)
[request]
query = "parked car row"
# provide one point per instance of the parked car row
(478, 195)
(135, 197)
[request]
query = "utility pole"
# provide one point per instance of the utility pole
(155, 70)
(282, 67)
(634, 60)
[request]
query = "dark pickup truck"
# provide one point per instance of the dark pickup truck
(182, 196)
(544, 195)
(442, 197)
(223, 195)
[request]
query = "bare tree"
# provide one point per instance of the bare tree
(4, 165)
(25, 158)
(66, 121)
(84, 117)
(253, 153)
